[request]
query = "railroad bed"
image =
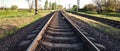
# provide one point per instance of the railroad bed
(113, 23)
(60, 34)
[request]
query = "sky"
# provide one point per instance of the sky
(24, 3)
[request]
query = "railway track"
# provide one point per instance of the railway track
(113, 23)
(61, 34)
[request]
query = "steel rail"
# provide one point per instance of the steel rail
(37, 39)
(94, 47)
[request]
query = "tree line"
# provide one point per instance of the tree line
(13, 7)
(52, 6)
(101, 6)
(47, 6)
(107, 5)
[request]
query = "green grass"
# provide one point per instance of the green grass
(14, 20)
(111, 16)
(14, 13)
(100, 26)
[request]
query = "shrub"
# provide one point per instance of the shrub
(14, 7)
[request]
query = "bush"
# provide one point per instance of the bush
(14, 7)
(90, 7)
(74, 8)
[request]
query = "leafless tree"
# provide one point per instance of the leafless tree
(100, 4)
(30, 3)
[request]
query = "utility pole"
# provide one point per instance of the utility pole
(36, 7)
(77, 5)
(69, 7)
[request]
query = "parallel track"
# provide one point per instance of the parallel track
(61, 34)
(113, 23)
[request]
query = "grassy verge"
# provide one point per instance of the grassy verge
(111, 16)
(15, 20)
(100, 26)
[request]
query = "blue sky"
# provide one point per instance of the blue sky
(24, 4)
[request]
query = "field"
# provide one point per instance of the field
(13, 20)
(111, 16)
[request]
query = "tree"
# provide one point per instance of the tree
(30, 3)
(46, 4)
(107, 5)
(14, 7)
(59, 7)
(112, 5)
(90, 7)
(74, 8)
(118, 6)
(99, 5)
(50, 5)
(54, 6)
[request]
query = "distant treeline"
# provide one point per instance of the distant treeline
(100, 6)
(52, 6)
(13, 7)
